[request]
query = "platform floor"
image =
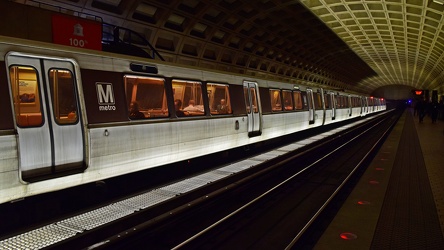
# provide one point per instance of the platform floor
(399, 201)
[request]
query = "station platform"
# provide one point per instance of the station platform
(399, 201)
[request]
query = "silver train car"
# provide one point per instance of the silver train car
(71, 116)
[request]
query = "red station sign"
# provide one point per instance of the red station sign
(76, 32)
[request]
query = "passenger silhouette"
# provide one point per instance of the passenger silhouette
(421, 106)
(434, 109)
(177, 106)
(134, 112)
(192, 108)
(222, 107)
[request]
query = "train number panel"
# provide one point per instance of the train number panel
(47, 118)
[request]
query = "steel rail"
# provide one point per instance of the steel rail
(314, 217)
(237, 211)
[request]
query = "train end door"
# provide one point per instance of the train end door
(47, 116)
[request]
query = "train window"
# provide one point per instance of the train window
(188, 93)
(276, 102)
(317, 101)
(300, 100)
(327, 100)
(145, 97)
(288, 101)
(342, 101)
(297, 100)
(63, 96)
(354, 102)
(25, 90)
(219, 98)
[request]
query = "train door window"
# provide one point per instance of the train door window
(276, 102)
(25, 90)
(253, 100)
(190, 94)
(304, 100)
(355, 102)
(63, 96)
(145, 97)
(343, 101)
(219, 98)
(288, 100)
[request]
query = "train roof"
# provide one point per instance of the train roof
(101, 60)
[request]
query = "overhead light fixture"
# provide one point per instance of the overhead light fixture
(439, 2)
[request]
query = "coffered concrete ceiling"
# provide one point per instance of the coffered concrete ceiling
(360, 46)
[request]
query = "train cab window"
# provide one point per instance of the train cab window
(219, 98)
(145, 97)
(25, 90)
(288, 100)
(63, 96)
(276, 102)
(189, 93)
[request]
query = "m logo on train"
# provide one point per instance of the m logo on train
(105, 96)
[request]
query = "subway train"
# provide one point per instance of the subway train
(71, 116)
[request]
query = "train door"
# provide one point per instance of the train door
(325, 104)
(46, 110)
(350, 105)
(311, 106)
(252, 103)
(332, 105)
(363, 109)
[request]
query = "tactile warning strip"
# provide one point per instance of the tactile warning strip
(431, 136)
(33, 239)
(97, 217)
(408, 218)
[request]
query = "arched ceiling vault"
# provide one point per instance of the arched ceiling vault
(402, 41)
(355, 45)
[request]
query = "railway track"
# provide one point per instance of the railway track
(273, 204)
